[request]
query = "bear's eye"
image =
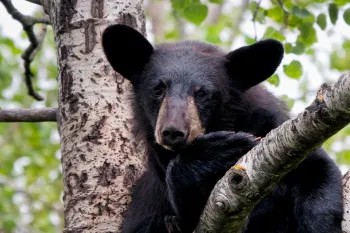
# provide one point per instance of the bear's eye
(200, 94)
(157, 92)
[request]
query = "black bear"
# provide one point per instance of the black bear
(189, 99)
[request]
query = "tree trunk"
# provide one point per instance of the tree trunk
(99, 157)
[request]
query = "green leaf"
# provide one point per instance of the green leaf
(274, 80)
(301, 12)
(298, 49)
(180, 4)
(333, 12)
(341, 2)
(322, 21)
(196, 12)
(293, 70)
(216, 1)
(276, 14)
(307, 34)
(347, 16)
(249, 40)
(288, 47)
(273, 33)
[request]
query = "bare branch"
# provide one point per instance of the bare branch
(38, 2)
(214, 13)
(254, 18)
(256, 173)
(286, 13)
(28, 22)
(180, 23)
(155, 12)
(28, 57)
(28, 115)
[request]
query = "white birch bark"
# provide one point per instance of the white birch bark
(99, 158)
(256, 173)
(346, 200)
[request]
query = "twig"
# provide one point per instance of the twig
(27, 22)
(286, 13)
(28, 115)
(257, 172)
(180, 25)
(28, 57)
(254, 18)
(38, 2)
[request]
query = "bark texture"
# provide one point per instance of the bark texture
(256, 173)
(99, 157)
(346, 200)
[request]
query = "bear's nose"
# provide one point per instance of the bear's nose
(173, 136)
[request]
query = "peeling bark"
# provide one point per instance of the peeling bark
(99, 158)
(257, 172)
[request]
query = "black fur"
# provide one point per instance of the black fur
(172, 193)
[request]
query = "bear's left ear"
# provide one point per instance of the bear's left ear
(126, 49)
(250, 65)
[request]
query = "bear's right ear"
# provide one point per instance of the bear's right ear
(126, 49)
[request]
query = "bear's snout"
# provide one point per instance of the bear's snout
(178, 123)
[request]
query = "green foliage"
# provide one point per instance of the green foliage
(322, 21)
(293, 70)
(346, 16)
(274, 34)
(196, 12)
(27, 158)
(274, 80)
(333, 12)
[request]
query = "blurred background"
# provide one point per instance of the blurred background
(315, 33)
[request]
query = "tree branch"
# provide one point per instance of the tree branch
(254, 18)
(28, 22)
(38, 2)
(28, 115)
(214, 13)
(254, 175)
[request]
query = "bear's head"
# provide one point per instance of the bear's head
(181, 87)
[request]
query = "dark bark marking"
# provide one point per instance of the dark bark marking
(112, 142)
(130, 175)
(119, 80)
(82, 180)
(127, 19)
(90, 36)
(82, 157)
(97, 8)
(98, 75)
(107, 173)
(84, 118)
(67, 82)
(93, 81)
(124, 141)
(73, 103)
(95, 133)
(66, 12)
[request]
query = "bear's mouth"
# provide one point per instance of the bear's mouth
(178, 123)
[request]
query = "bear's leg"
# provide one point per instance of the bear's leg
(148, 207)
(317, 195)
(193, 174)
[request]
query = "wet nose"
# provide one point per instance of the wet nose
(173, 136)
